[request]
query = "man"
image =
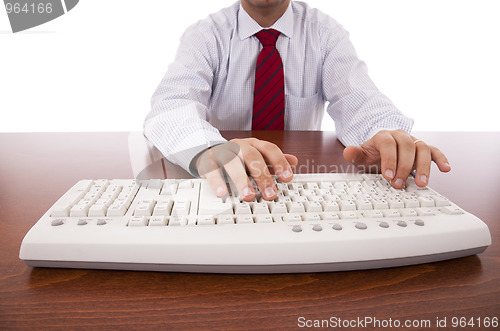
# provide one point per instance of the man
(264, 64)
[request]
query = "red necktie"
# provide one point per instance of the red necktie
(269, 92)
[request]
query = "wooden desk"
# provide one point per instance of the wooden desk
(37, 168)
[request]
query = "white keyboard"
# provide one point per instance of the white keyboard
(319, 222)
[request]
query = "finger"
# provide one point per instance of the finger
(275, 157)
(422, 163)
(257, 167)
(406, 158)
(236, 171)
(386, 145)
(292, 160)
(216, 182)
(440, 159)
(355, 155)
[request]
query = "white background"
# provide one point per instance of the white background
(95, 68)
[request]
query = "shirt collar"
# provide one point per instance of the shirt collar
(247, 26)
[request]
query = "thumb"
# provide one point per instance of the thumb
(355, 155)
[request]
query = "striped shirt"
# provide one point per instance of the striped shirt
(209, 86)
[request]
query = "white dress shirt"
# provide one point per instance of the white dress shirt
(209, 86)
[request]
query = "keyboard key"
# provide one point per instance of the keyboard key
(313, 206)
(263, 219)
(424, 191)
(177, 220)
(395, 203)
(425, 212)
(278, 208)
(346, 205)
(337, 227)
(118, 208)
(102, 221)
(260, 208)
(316, 198)
(242, 208)
(323, 192)
(98, 210)
(408, 212)
(169, 187)
(225, 219)
(57, 222)
(311, 186)
(292, 218)
(330, 216)
(185, 184)
(330, 206)
(144, 208)
(426, 201)
(347, 214)
(411, 202)
(402, 224)
(112, 192)
(163, 208)
(379, 203)
(317, 228)
(312, 217)
(82, 221)
(363, 204)
(340, 185)
(372, 213)
(326, 185)
(299, 198)
(181, 208)
(60, 210)
(155, 184)
(80, 210)
(361, 226)
(452, 210)
(158, 221)
(295, 207)
(138, 221)
(440, 201)
(391, 213)
(419, 222)
(243, 219)
(206, 220)
(295, 186)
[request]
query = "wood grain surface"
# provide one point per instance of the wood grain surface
(37, 168)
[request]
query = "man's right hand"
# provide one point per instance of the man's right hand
(238, 155)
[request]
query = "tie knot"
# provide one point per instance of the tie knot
(268, 37)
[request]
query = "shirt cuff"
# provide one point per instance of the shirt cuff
(191, 146)
(374, 131)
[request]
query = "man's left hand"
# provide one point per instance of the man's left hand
(395, 154)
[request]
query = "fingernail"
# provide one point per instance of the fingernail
(399, 182)
(389, 174)
(423, 179)
(247, 192)
(286, 174)
(220, 191)
(269, 192)
(448, 165)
